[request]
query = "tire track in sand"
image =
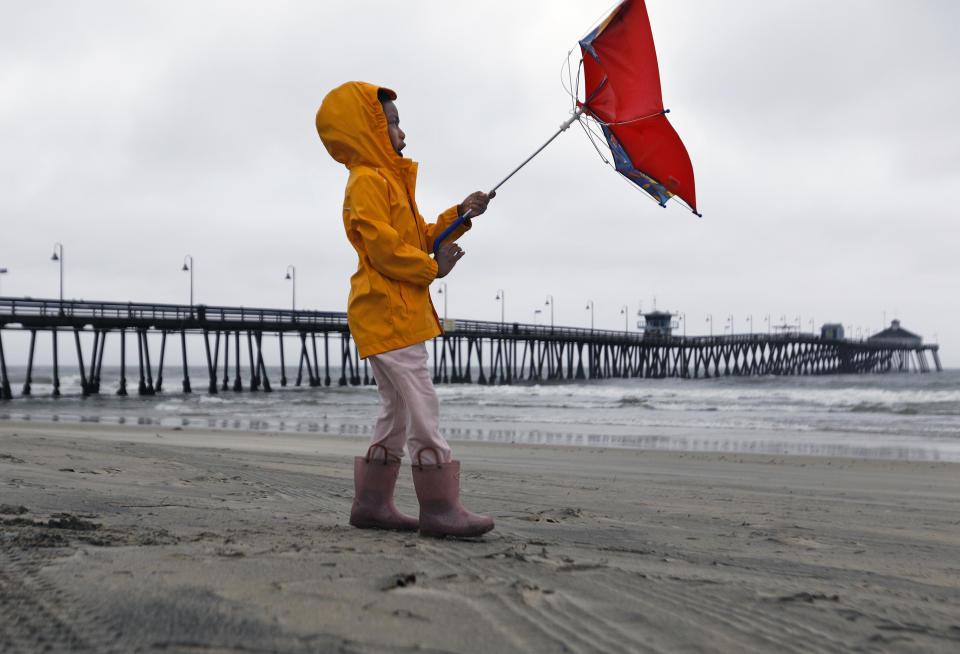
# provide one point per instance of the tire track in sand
(303, 489)
(539, 619)
(691, 606)
(37, 617)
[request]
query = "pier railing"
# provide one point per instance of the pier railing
(69, 313)
(469, 350)
(525, 331)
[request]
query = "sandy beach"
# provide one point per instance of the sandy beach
(139, 539)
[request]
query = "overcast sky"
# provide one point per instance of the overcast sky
(823, 136)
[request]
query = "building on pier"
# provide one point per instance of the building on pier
(658, 324)
(896, 334)
(831, 331)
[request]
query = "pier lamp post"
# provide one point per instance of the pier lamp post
(750, 320)
(799, 322)
(550, 303)
(536, 316)
(625, 312)
(683, 318)
(3, 271)
(189, 268)
(501, 298)
(769, 326)
(812, 328)
(710, 320)
(730, 320)
(443, 291)
(292, 276)
(58, 256)
(590, 308)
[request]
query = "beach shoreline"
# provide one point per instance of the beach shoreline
(146, 538)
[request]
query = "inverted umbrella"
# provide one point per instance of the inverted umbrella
(622, 96)
(622, 85)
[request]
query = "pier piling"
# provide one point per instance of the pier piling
(29, 377)
(5, 393)
(122, 390)
(163, 348)
(186, 372)
(237, 384)
(56, 365)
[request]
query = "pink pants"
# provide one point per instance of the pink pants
(411, 410)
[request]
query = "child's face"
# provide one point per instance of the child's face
(393, 127)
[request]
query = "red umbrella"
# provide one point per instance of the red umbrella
(622, 89)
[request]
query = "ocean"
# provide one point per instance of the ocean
(903, 416)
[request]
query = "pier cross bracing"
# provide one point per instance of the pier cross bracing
(470, 351)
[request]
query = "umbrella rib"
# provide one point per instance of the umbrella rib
(594, 137)
(634, 120)
(569, 85)
(591, 137)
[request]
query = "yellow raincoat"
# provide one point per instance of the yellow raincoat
(389, 305)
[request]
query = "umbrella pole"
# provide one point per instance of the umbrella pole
(563, 128)
(459, 221)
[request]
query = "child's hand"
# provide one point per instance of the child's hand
(476, 203)
(447, 257)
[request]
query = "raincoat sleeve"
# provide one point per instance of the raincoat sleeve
(444, 220)
(387, 253)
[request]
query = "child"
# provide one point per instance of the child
(390, 312)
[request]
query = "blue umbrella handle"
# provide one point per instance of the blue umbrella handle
(449, 230)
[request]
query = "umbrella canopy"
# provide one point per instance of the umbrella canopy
(623, 96)
(622, 93)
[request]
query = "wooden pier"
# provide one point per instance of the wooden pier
(470, 351)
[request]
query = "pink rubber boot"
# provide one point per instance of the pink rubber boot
(438, 490)
(373, 482)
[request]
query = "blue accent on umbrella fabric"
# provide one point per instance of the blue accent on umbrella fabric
(624, 165)
(587, 43)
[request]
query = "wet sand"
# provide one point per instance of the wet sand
(133, 539)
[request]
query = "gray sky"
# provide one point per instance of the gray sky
(823, 138)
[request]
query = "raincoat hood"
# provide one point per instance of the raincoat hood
(352, 126)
